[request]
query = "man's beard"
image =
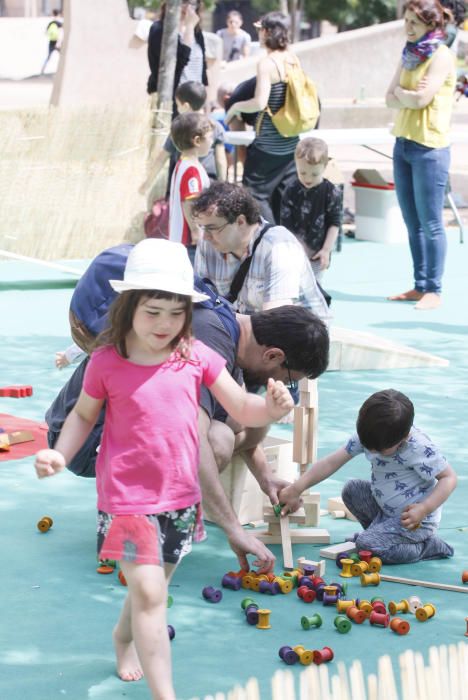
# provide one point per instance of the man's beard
(254, 380)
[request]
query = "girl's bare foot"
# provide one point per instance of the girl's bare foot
(412, 295)
(128, 664)
(429, 301)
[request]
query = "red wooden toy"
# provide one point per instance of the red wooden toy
(323, 655)
(399, 626)
(307, 594)
(16, 392)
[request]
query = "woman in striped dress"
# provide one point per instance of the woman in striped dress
(270, 158)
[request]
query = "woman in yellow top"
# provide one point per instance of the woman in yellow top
(422, 92)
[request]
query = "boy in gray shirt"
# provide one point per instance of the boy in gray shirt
(400, 507)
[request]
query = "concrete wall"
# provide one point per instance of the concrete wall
(343, 65)
(102, 60)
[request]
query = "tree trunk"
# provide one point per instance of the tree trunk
(295, 12)
(162, 100)
(400, 4)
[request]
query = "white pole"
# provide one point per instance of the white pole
(45, 263)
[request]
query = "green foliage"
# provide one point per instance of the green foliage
(350, 14)
(156, 4)
(346, 14)
(264, 6)
(147, 4)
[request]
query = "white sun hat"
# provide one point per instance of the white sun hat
(155, 263)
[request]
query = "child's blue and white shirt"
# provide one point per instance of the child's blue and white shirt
(407, 476)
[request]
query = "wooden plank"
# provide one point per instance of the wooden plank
(20, 436)
(297, 517)
(300, 435)
(274, 529)
(286, 542)
(302, 536)
(335, 549)
(312, 435)
(311, 497)
(424, 584)
(312, 514)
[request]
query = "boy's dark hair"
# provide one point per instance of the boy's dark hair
(229, 201)
(186, 127)
(301, 335)
(192, 92)
(313, 150)
(384, 420)
(276, 26)
(122, 311)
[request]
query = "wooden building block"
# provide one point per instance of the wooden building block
(286, 543)
(16, 392)
(301, 435)
(311, 509)
(4, 443)
(352, 350)
(318, 566)
(298, 517)
(298, 536)
(336, 504)
(242, 489)
(20, 436)
(335, 549)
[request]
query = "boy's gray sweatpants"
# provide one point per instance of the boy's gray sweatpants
(384, 535)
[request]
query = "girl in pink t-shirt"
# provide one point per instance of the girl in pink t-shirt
(149, 370)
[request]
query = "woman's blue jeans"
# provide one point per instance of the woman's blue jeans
(421, 176)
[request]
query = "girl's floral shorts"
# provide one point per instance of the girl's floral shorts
(148, 539)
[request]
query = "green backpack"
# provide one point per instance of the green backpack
(301, 108)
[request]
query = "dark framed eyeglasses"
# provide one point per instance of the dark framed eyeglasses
(291, 383)
(209, 228)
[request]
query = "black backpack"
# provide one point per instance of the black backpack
(220, 305)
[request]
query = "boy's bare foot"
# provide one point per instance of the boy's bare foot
(429, 301)
(128, 664)
(412, 295)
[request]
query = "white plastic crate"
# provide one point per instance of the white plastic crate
(378, 215)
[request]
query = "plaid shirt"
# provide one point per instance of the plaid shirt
(280, 271)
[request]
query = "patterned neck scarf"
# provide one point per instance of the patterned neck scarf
(419, 51)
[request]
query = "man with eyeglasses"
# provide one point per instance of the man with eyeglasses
(235, 235)
(286, 343)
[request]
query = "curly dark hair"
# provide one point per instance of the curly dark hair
(299, 333)
(384, 419)
(228, 201)
(457, 8)
(430, 12)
